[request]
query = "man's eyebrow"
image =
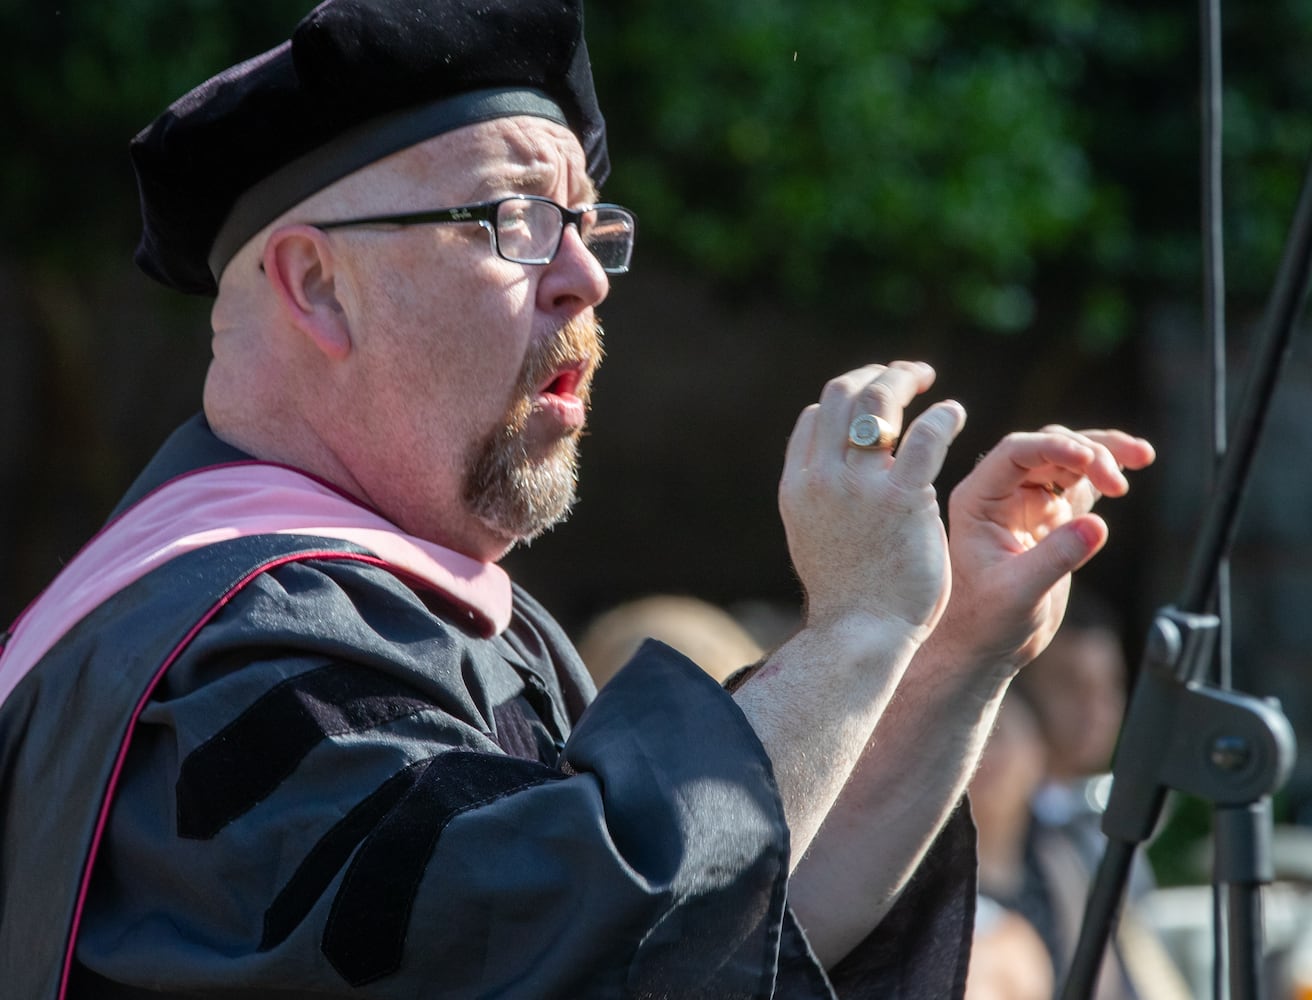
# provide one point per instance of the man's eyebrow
(529, 182)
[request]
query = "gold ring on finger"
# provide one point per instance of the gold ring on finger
(871, 432)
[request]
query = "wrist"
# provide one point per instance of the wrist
(861, 637)
(947, 670)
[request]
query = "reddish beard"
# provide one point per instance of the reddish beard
(518, 494)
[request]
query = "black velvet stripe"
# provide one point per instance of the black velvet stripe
(239, 767)
(520, 732)
(325, 860)
(365, 936)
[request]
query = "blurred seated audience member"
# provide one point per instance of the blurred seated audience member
(1008, 960)
(1077, 689)
(706, 634)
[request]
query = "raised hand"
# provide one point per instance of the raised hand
(863, 526)
(1019, 524)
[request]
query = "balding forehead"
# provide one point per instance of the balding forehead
(471, 164)
(513, 147)
(518, 154)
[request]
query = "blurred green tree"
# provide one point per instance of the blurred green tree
(946, 157)
(79, 79)
(939, 157)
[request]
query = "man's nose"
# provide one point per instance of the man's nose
(574, 280)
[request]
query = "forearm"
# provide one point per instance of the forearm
(814, 705)
(910, 776)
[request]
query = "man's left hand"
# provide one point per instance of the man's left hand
(1018, 525)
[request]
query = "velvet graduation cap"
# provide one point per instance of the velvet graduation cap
(357, 81)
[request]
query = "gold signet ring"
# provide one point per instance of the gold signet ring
(870, 431)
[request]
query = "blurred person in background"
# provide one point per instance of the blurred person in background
(706, 634)
(1077, 690)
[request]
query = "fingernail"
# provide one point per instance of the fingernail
(1088, 531)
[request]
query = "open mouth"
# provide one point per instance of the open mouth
(564, 382)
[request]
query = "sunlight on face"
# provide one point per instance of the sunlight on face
(513, 492)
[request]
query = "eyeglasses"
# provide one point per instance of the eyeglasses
(528, 229)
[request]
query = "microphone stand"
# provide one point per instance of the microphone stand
(1183, 733)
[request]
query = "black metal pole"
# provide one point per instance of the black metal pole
(1283, 308)
(1213, 541)
(1099, 917)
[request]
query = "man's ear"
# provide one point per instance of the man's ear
(298, 263)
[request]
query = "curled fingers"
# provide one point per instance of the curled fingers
(874, 417)
(925, 445)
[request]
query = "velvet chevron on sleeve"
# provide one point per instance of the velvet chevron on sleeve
(285, 765)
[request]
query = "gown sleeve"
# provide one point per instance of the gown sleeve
(338, 793)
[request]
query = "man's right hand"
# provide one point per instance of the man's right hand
(869, 546)
(864, 529)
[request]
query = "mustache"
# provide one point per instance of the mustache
(578, 344)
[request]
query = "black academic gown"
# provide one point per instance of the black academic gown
(275, 767)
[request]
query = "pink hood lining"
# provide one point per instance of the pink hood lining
(238, 500)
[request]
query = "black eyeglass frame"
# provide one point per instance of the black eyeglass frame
(485, 214)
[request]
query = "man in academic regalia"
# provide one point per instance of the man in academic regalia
(285, 729)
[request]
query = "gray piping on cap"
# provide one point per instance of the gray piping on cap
(360, 146)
